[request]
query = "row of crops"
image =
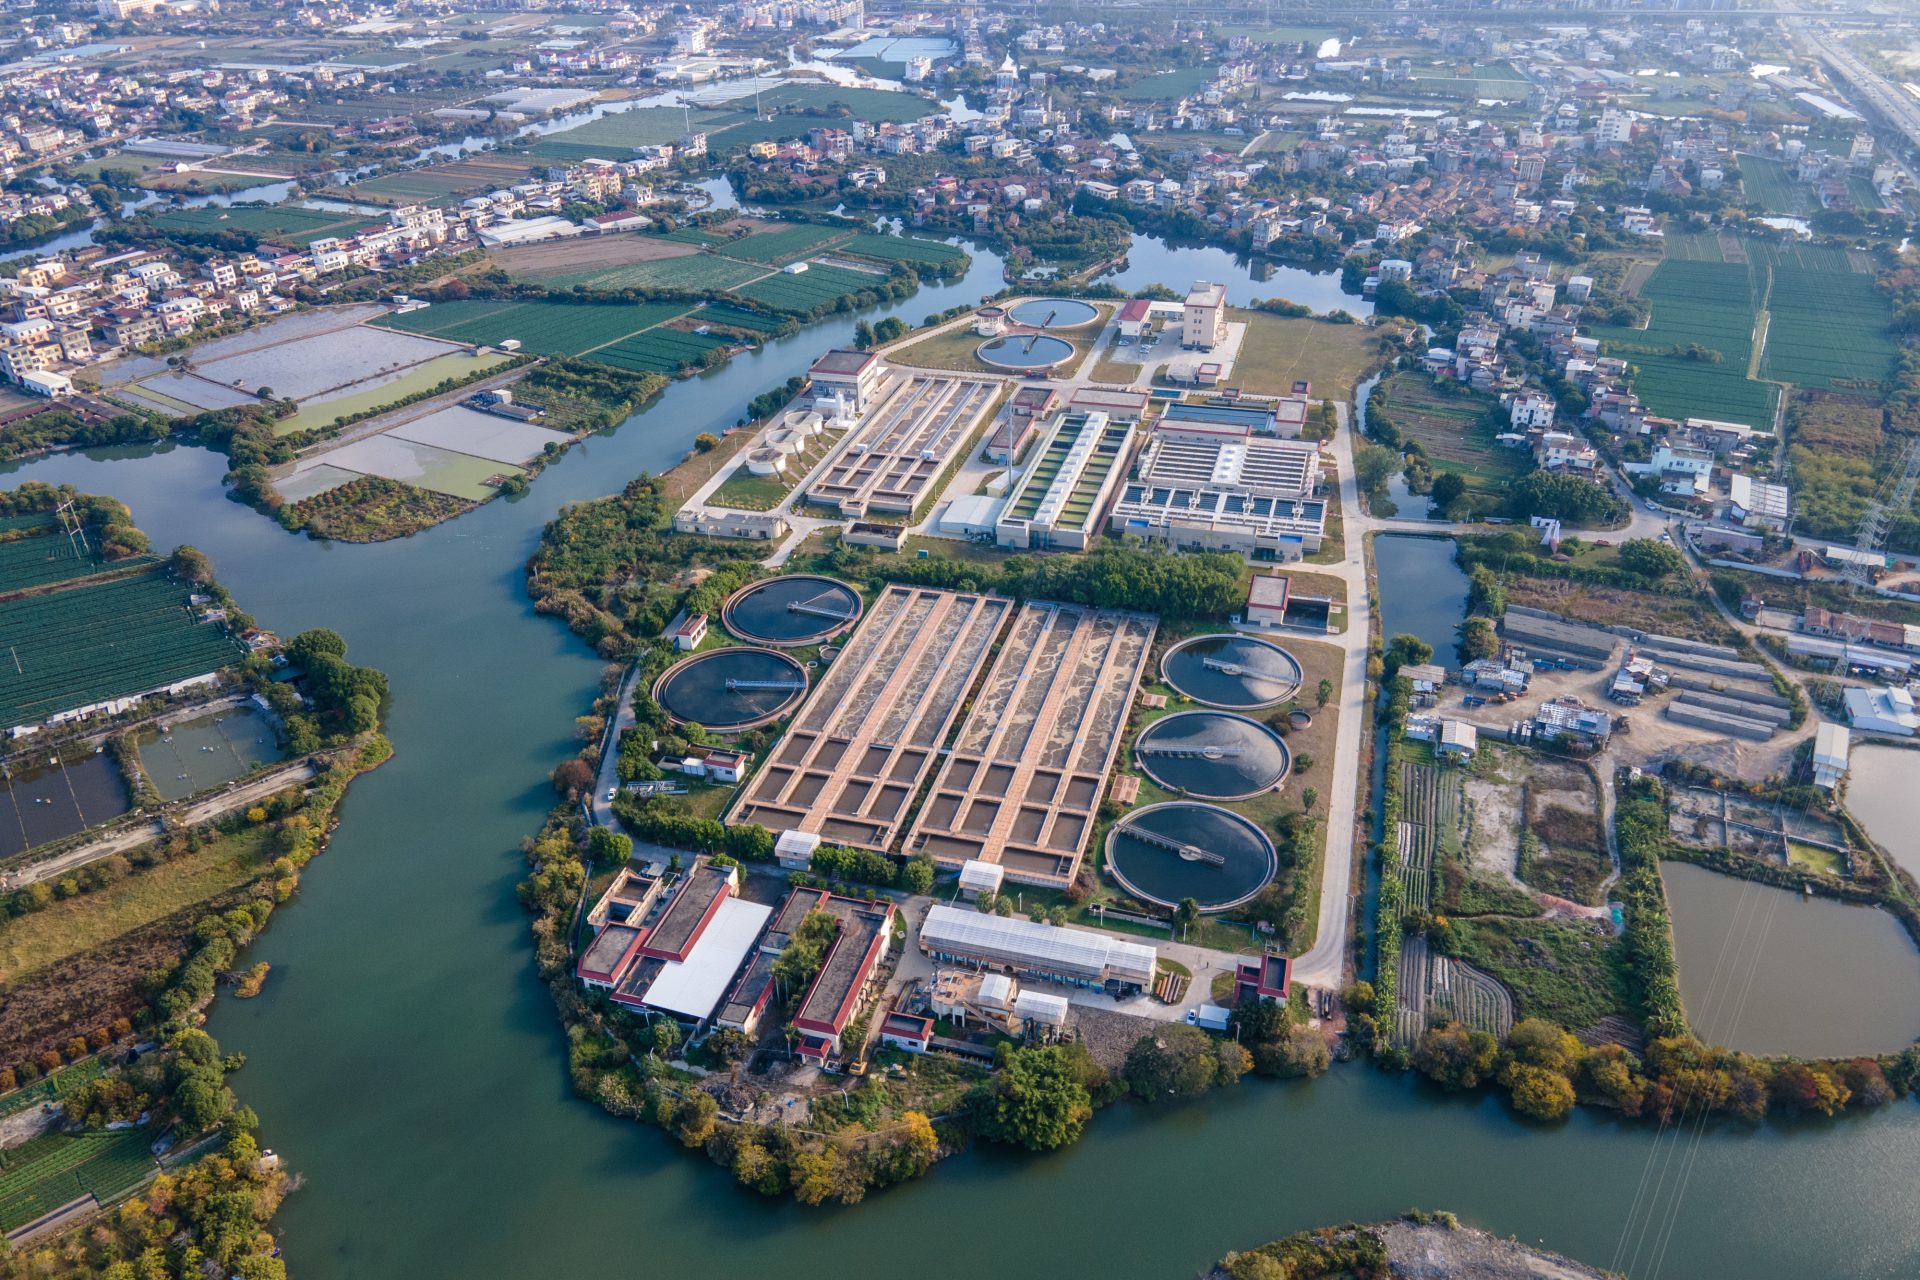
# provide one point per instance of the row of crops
(657, 351)
(288, 223)
(52, 1088)
(781, 246)
(56, 1169)
(100, 641)
(739, 318)
(1705, 305)
(543, 328)
(903, 249)
(1829, 330)
(46, 555)
(815, 287)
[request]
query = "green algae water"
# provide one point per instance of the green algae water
(407, 1063)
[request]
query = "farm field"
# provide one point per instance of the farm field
(1769, 184)
(817, 286)
(56, 1168)
(1495, 80)
(614, 136)
(1177, 83)
(37, 551)
(903, 249)
(110, 639)
(544, 328)
(658, 351)
(780, 245)
(1704, 305)
(442, 181)
(1453, 431)
(705, 272)
(285, 224)
(1829, 330)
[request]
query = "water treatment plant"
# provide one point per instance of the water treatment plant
(791, 611)
(1212, 755)
(1026, 352)
(1167, 853)
(1236, 672)
(731, 689)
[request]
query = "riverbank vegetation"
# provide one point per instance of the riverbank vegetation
(131, 946)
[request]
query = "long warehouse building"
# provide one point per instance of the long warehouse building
(1051, 953)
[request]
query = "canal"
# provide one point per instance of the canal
(407, 1063)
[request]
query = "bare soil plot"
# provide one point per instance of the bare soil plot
(1568, 851)
(587, 253)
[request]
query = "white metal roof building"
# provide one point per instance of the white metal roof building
(977, 877)
(692, 988)
(1830, 743)
(1074, 957)
(1041, 1007)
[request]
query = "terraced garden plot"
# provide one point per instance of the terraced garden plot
(543, 328)
(903, 249)
(702, 271)
(658, 351)
(55, 1169)
(817, 286)
(288, 224)
(1829, 330)
(105, 640)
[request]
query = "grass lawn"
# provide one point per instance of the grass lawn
(1280, 350)
(956, 549)
(1318, 661)
(76, 924)
(952, 350)
(1812, 857)
(745, 491)
(1566, 972)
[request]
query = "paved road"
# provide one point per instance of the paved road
(1325, 963)
(609, 779)
(140, 833)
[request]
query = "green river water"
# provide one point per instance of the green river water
(407, 1063)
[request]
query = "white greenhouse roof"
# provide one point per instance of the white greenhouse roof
(1041, 945)
(692, 987)
(1041, 1006)
(975, 874)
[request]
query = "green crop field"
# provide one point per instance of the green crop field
(1771, 185)
(281, 223)
(442, 181)
(703, 271)
(781, 245)
(54, 1169)
(1179, 83)
(877, 106)
(737, 318)
(51, 1088)
(903, 249)
(816, 286)
(1711, 306)
(543, 328)
(1829, 330)
(111, 639)
(47, 555)
(657, 351)
(615, 135)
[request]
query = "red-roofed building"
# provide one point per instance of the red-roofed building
(835, 992)
(1267, 978)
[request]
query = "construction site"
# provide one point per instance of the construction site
(917, 425)
(860, 747)
(1023, 781)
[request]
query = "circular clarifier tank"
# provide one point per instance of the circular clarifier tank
(1053, 313)
(731, 689)
(1026, 352)
(1240, 673)
(1166, 853)
(1212, 755)
(796, 609)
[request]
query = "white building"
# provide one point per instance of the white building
(1204, 317)
(1888, 711)
(1830, 744)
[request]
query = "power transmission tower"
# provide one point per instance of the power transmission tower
(1895, 498)
(76, 531)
